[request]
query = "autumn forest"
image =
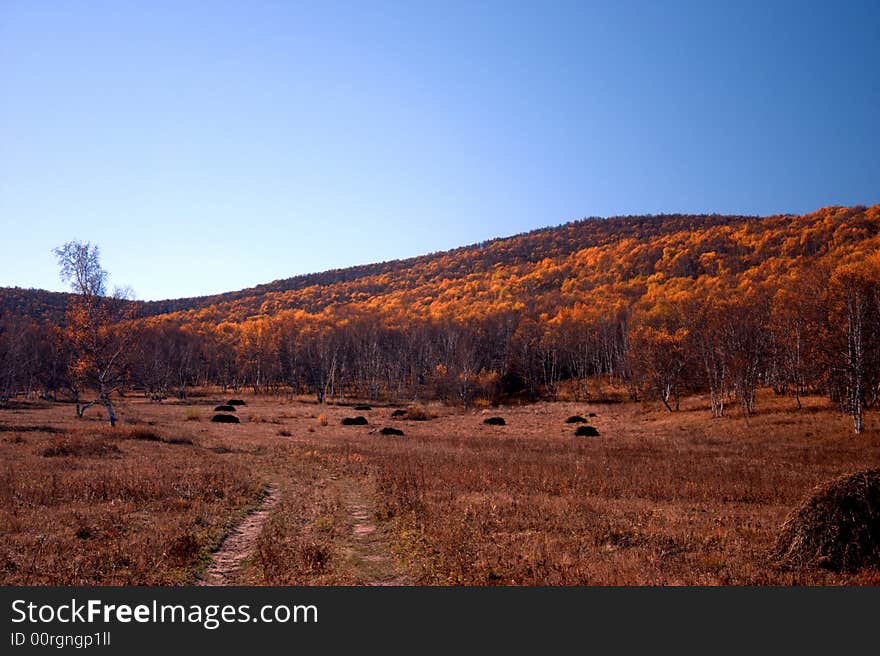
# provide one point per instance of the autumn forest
(649, 308)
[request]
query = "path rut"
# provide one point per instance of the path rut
(368, 550)
(239, 544)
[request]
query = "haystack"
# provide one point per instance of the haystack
(415, 413)
(837, 527)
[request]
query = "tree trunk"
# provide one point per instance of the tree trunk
(111, 414)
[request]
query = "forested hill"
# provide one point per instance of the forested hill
(606, 264)
(659, 306)
(533, 247)
(541, 269)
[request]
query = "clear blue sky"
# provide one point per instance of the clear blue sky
(210, 146)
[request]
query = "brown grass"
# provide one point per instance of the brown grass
(298, 544)
(94, 506)
(77, 446)
(660, 498)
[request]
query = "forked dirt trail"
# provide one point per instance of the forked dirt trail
(239, 544)
(367, 549)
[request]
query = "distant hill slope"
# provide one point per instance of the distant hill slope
(542, 269)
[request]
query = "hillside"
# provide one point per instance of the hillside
(315, 291)
(554, 267)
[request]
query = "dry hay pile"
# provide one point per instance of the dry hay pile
(837, 527)
(416, 413)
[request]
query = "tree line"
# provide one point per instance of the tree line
(669, 308)
(812, 331)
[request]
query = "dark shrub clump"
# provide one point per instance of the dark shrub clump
(575, 419)
(495, 421)
(225, 419)
(363, 407)
(225, 408)
(837, 527)
(355, 421)
(235, 402)
(391, 431)
(586, 431)
(144, 434)
(399, 413)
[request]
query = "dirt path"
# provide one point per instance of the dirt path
(239, 544)
(367, 549)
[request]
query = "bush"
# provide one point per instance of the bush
(837, 527)
(363, 407)
(192, 415)
(225, 419)
(495, 421)
(586, 431)
(391, 431)
(575, 419)
(355, 421)
(225, 408)
(235, 402)
(322, 420)
(399, 413)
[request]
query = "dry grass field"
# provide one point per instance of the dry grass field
(657, 499)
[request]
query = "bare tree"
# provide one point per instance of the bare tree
(97, 340)
(855, 291)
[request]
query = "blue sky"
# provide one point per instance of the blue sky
(210, 146)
